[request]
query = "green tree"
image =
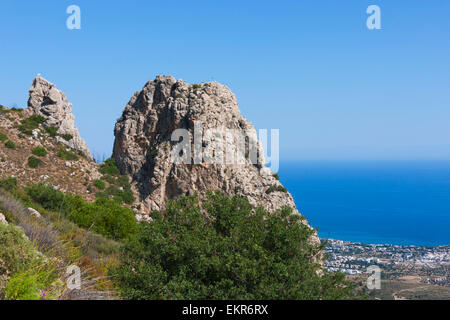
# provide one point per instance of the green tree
(224, 249)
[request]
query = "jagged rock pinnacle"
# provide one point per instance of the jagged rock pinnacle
(143, 146)
(47, 101)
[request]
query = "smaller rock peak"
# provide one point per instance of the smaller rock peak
(52, 104)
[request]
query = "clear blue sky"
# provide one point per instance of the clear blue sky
(335, 89)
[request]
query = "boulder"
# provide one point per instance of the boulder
(34, 213)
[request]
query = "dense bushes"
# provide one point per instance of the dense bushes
(104, 216)
(3, 137)
(224, 250)
(16, 252)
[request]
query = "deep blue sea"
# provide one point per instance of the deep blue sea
(405, 203)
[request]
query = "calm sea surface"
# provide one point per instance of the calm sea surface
(405, 203)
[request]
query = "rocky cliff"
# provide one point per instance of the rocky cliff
(144, 144)
(47, 101)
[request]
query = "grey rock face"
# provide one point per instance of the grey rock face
(143, 145)
(47, 101)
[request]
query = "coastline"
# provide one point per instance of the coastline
(386, 202)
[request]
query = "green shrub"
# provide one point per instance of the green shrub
(230, 252)
(67, 155)
(110, 167)
(47, 196)
(120, 196)
(275, 188)
(3, 137)
(127, 196)
(29, 124)
(9, 144)
(9, 184)
(123, 181)
(34, 162)
(104, 216)
(233, 252)
(275, 175)
(38, 282)
(39, 151)
(52, 131)
(110, 179)
(67, 136)
(100, 184)
(23, 286)
(16, 252)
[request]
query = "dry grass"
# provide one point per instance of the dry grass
(66, 244)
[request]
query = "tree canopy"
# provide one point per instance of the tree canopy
(224, 249)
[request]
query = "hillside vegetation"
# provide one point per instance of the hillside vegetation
(219, 249)
(60, 209)
(223, 249)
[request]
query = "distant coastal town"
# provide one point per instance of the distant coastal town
(408, 269)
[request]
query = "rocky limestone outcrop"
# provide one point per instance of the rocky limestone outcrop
(144, 144)
(47, 101)
(34, 213)
(3, 219)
